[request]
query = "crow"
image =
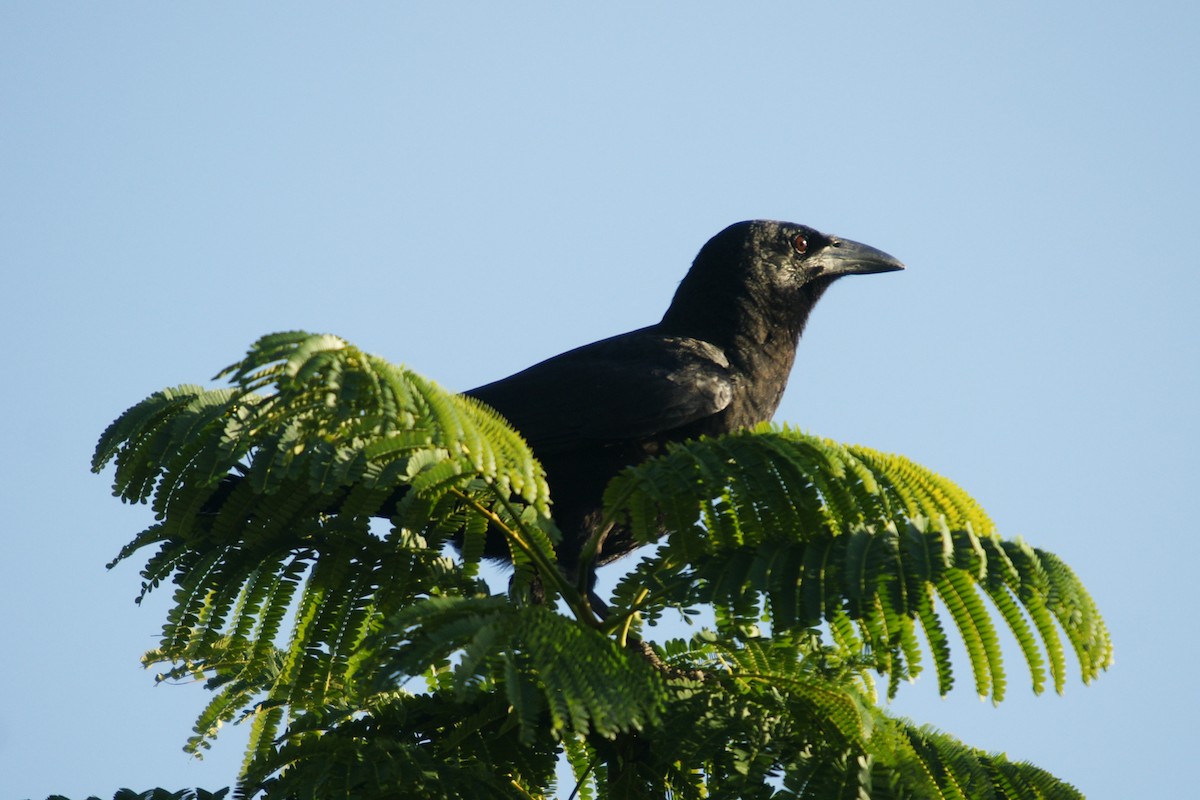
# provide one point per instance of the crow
(717, 362)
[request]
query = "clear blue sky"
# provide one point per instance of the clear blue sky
(470, 187)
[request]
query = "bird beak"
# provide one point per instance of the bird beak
(844, 257)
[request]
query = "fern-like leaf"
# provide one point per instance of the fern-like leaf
(823, 563)
(243, 481)
(851, 534)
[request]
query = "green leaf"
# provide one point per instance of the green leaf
(818, 561)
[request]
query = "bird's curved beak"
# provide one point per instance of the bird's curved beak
(844, 257)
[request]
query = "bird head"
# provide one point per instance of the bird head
(773, 271)
(783, 255)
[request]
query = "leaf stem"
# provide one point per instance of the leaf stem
(547, 569)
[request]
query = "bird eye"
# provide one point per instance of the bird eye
(800, 243)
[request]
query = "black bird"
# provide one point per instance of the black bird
(717, 362)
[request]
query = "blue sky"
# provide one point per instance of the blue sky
(468, 188)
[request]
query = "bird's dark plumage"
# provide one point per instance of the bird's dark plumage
(717, 362)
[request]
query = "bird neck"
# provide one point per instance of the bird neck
(757, 330)
(752, 324)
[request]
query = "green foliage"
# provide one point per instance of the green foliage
(340, 429)
(371, 662)
(798, 531)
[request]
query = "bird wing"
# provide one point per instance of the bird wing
(625, 388)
